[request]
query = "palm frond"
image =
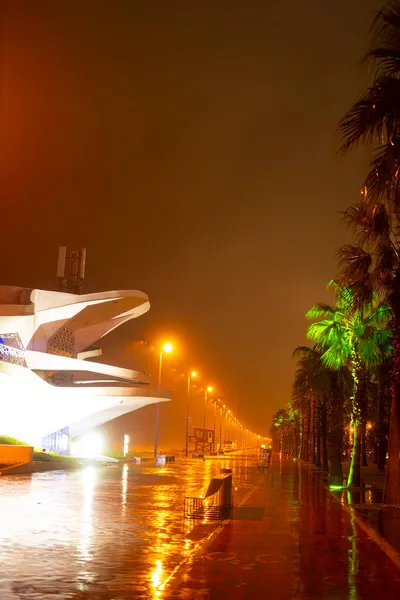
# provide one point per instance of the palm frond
(370, 352)
(386, 59)
(382, 181)
(385, 29)
(369, 221)
(320, 310)
(337, 355)
(304, 351)
(354, 263)
(376, 115)
(379, 316)
(344, 299)
(326, 333)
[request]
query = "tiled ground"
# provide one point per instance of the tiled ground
(303, 546)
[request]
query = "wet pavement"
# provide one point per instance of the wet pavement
(305, 544)
(102, 533)
(117, 533)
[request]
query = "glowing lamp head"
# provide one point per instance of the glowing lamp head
(193, 374)
(168, 347)
(210, 388)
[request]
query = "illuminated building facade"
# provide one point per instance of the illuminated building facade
(49, 391)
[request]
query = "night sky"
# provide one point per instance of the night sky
(190, 146)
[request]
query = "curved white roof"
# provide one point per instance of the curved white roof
(43, 334)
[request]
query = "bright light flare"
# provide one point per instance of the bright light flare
(210, 388)
(168, 348)
(156, 574)
(126, 444)
(88, 446)
(193, 374)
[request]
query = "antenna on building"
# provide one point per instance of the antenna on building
(71, 270)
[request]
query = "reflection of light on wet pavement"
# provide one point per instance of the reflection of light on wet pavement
(101, 532)
(156, 575)
(124, 483)
(89, 482)
(352, 552)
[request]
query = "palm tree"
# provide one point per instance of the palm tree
(310, 376)
(374, 263)
(281, 429)
(382, 376)
(351, 336)
(301, 400)
(330, 387)
(376, 115)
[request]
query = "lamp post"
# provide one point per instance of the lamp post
(215, 421)
(220, 427)
(190, 376)
(207, 390)
(167, 348)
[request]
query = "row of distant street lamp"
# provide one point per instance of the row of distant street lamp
(167, 348)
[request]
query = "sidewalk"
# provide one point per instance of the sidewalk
(291, 539)
(369, 475)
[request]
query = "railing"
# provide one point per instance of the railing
(194, 508)
(217, 503)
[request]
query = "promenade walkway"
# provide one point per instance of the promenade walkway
(290, 539)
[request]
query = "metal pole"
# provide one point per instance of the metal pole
(215, 417)
(204, 424)
(220, 430)
(187, 417)
(158, 405)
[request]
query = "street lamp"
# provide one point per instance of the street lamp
(215, 420)
(221, 407)
(167, 348)
(207, 390)
(190, 377)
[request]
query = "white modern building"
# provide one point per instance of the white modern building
(50, 390)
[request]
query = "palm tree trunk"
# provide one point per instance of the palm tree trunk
(381, 450)
(392, 483)
(296, 448)
(324, 449)
(335, 435)
(312, 432)
(306, 455)
(317, 434)
(391, 493)
(354, 478)
(364, 445)
(358, 401)
(335, 458)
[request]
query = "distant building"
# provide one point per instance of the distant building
(199, 438)
(49, 391)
